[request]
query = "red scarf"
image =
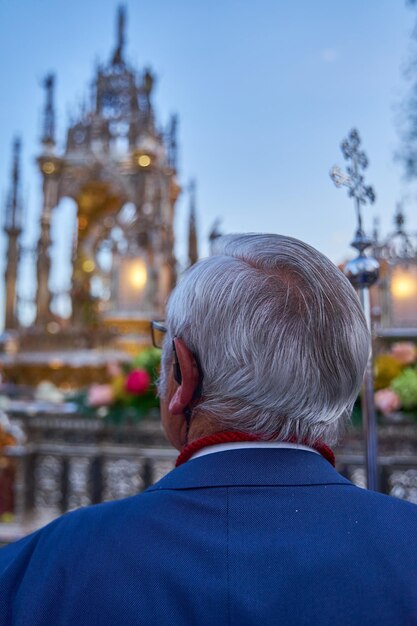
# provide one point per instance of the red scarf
(229, 436)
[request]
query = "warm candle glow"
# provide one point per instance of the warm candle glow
(82, 222)
(137, 274)
(88, 265)
(144, 160)
(48, 167)
(403, 285)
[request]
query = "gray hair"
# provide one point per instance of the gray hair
(280, 336)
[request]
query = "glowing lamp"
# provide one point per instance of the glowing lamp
(88, 266)
(403, 288)
(137, 274)
(144, 160)
(403, 285)
(48, 167)
(131, 284)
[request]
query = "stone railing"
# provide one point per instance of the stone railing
(52, 478)
(70, 462)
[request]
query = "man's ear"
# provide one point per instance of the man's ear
(190, 378)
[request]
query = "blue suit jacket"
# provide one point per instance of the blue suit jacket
(256, 536)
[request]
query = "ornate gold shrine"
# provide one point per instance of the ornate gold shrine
(119, 168)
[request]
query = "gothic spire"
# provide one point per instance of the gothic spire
(48, 136)
(13, 228)
(399, 218)
(192, 228)
(214, 233)
(121, 24)
(172, 142)
(375, 233)
(13, 207)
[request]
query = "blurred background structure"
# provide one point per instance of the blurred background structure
(92, 250)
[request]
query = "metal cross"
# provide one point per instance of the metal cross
(353, 178)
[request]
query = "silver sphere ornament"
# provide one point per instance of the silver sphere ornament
(362, 271)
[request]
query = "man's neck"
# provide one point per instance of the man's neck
(202, 426)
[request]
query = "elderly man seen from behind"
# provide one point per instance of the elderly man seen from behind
(264, 351)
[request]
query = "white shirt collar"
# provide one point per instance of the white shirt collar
(239, 445)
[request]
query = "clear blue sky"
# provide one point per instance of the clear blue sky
(265, 91)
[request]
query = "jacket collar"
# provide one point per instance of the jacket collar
(251, 467)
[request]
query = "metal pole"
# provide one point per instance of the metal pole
(368, 406)
(363, 272)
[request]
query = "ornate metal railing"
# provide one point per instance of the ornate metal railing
(72, 462)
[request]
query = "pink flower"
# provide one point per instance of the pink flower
(387, 401)
(137, 382)
(100, 395)
(405, 352)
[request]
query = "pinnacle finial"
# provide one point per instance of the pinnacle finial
(148, 82)
(121, 24)
(399, 218)
(48, 136)
(13, 208)
(16, 158)
(215, 230)
(172, 141)
(375, 234)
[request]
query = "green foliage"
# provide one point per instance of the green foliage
(148, 360)
(405, 386)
